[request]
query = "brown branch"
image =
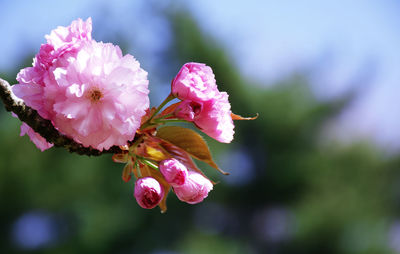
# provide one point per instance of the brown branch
(43, 126)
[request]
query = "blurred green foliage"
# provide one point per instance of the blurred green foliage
(306, 194)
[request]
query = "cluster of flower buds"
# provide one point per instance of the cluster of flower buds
(96, 96)
(165, 154)
(189, 186)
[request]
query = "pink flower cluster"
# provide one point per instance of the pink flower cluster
(88, 89)
(189, 186)
(97, 96)
(202, 102)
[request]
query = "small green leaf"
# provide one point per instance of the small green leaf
(189, 141)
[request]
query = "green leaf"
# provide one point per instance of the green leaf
(189, 141)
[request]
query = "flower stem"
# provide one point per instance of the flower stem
(150, 164)
(149, 121)
(138, 169)
(172, 121)
(168, 99)
(163, 117)
(147, 162)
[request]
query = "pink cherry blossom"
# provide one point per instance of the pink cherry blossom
(195, 189)
(38, 140)
(174, 172)
(88, 89)
(195, 81)
(100, 97)
(148, 192)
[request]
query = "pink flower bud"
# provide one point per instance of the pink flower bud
(202, 102)
(195, 81)
(188, 110)
(174, 172)
(148, 192)
(195, 189)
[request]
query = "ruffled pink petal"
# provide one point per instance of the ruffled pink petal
(64, 38)
(38, 140)
(215, 119)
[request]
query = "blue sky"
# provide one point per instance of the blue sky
(345, 43)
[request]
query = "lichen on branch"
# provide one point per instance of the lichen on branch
(43, 126)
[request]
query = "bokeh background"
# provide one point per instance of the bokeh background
(317, 172)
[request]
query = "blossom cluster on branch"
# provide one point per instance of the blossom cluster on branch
(92, 94)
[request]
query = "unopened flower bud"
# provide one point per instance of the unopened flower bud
(188, 110)
(195, 81)
(148, 192)
(195, 189)
(174, 172)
